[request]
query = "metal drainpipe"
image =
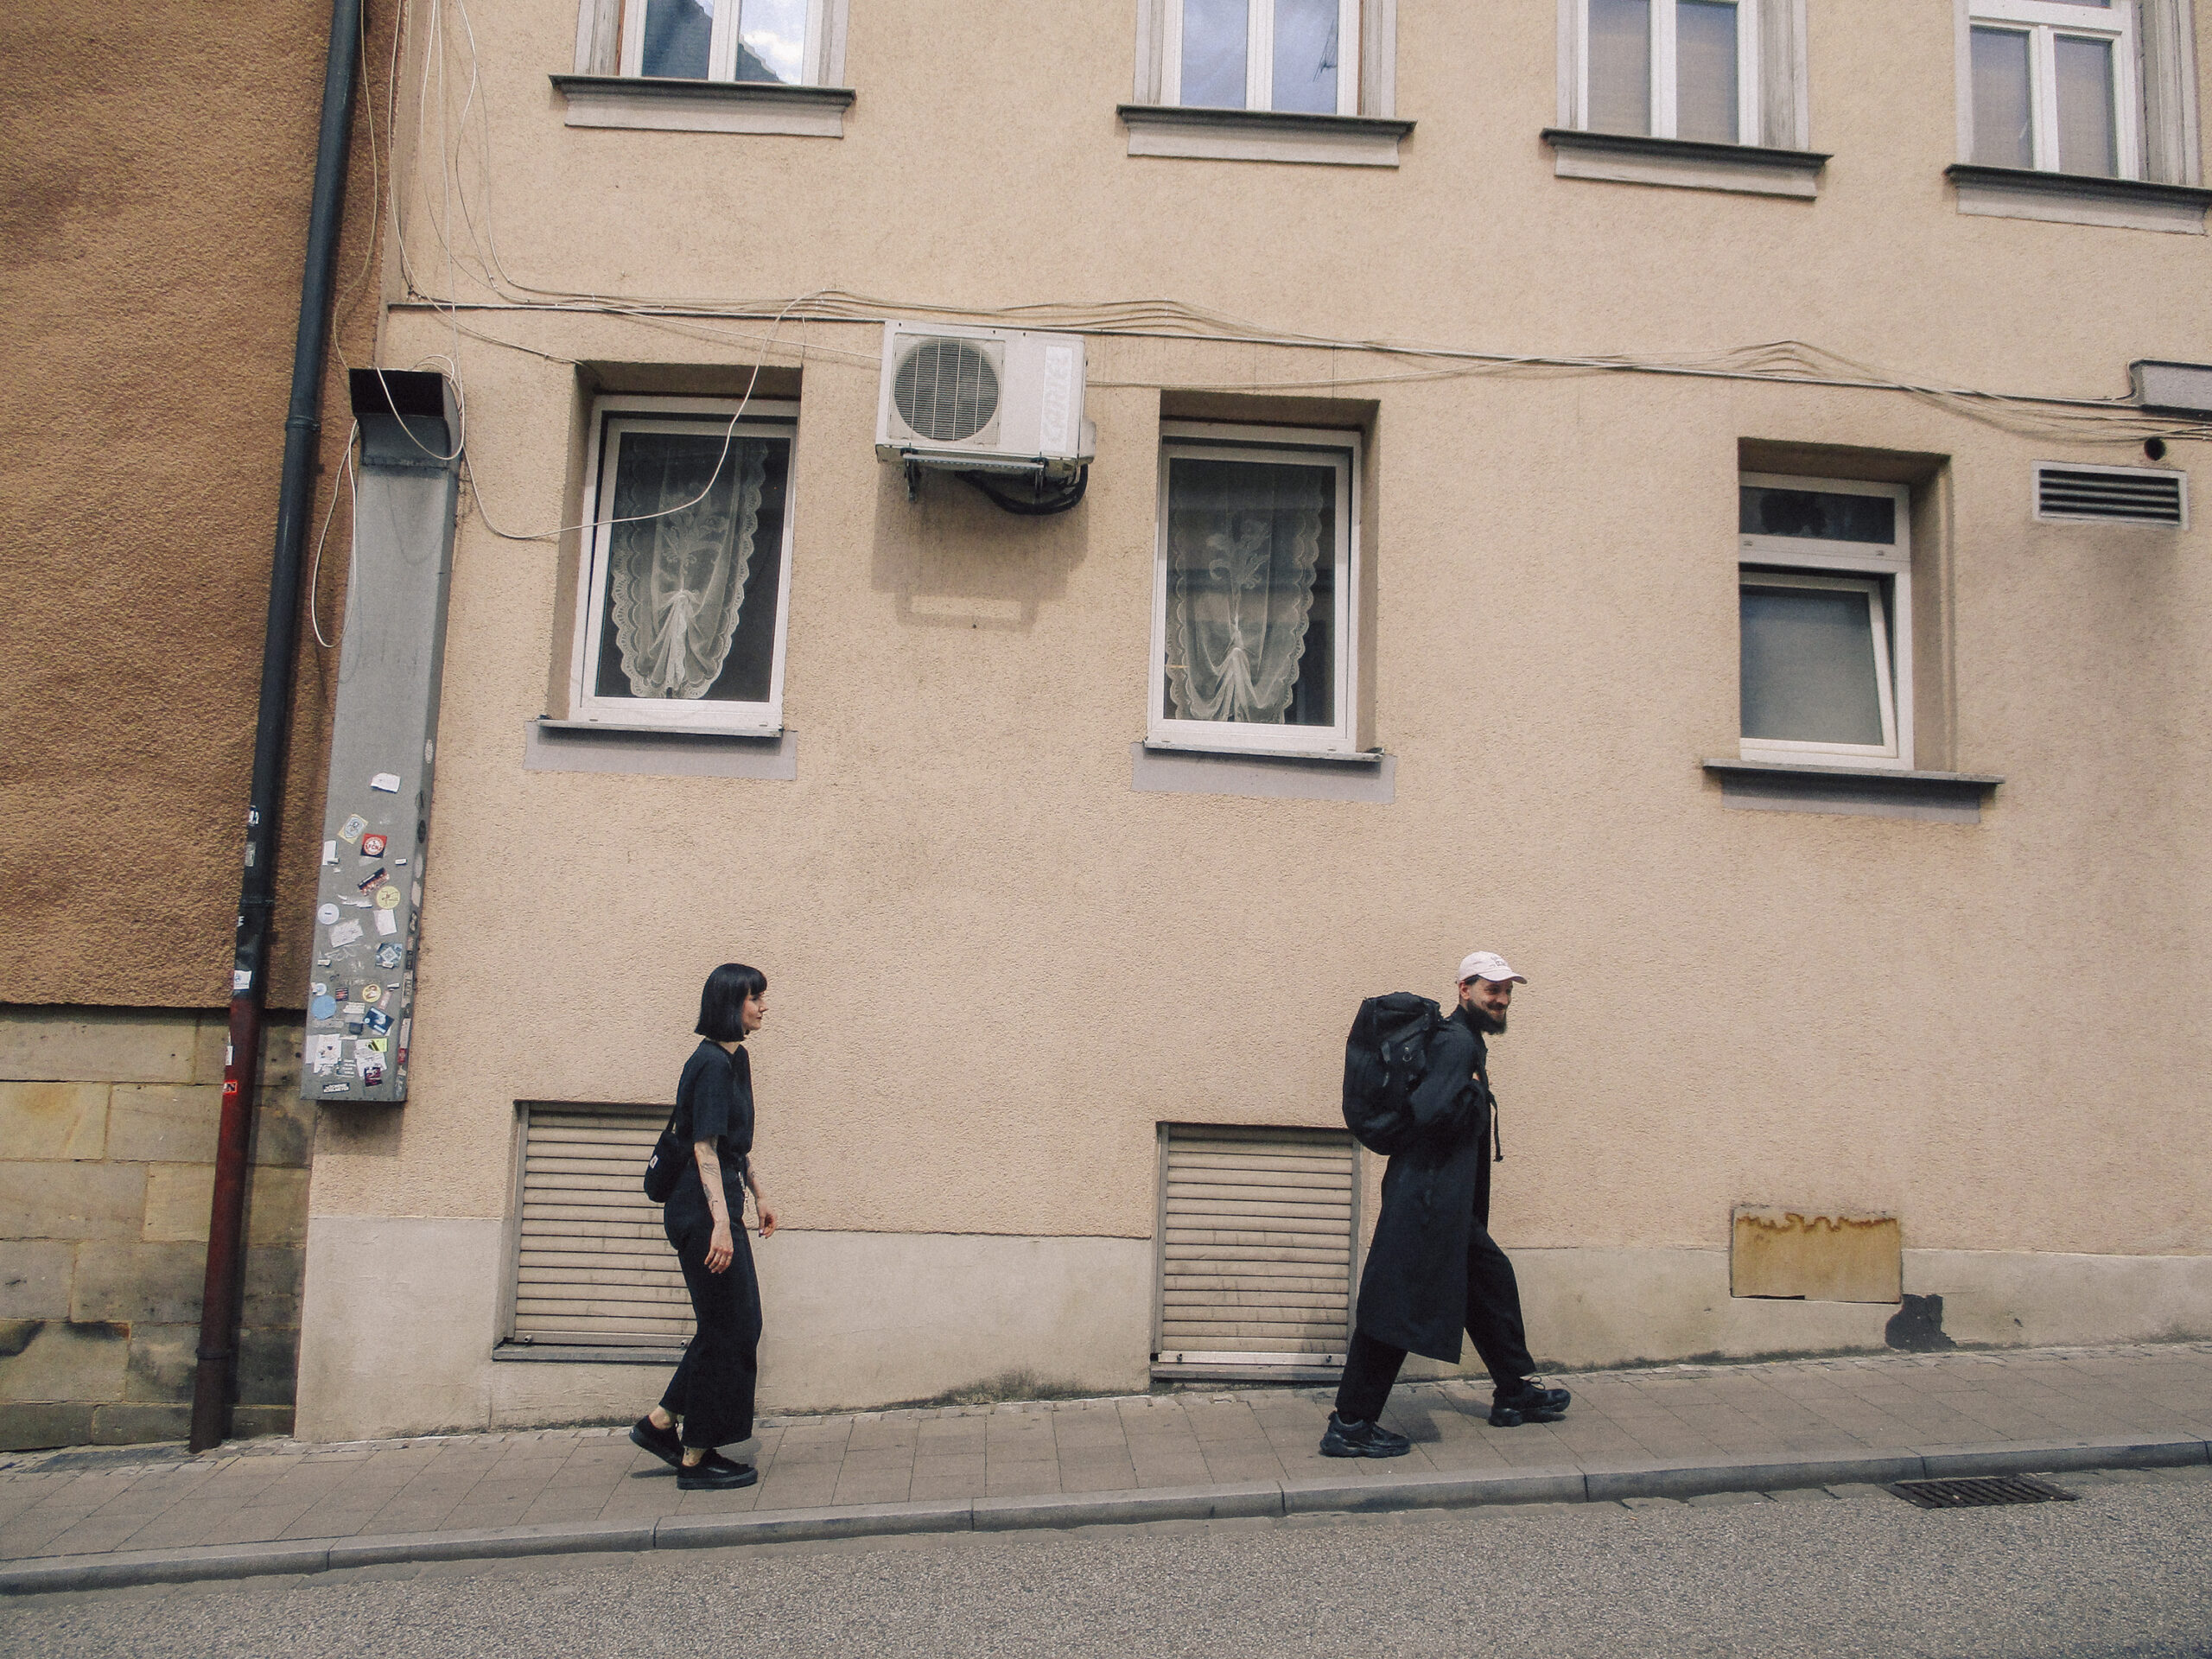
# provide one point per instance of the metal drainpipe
(218, 1305)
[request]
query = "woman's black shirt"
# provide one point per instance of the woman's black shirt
(714, 1102)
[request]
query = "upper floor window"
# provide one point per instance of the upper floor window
(2053, 85)
(1291, 56)
(1671, 68)
(683, 596)
(773, 41)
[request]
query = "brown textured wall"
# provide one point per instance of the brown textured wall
(156, 168)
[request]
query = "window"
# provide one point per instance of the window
(1253, 633)
(2053, 86)
(592, 1266)
(1297, 56)
(685, 592)
(777, 42)
(1825, 597)
(1671, 68)
(1258, 1251)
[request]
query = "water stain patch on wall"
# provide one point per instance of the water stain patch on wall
(1815, 1255)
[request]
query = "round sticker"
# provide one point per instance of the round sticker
(322, 1007)
(387, 896)
(327, 915)
(372, 993)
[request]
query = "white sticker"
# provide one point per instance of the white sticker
(323, 1051)
(330, 852)
(327, 914)
(404, 1026)
(344, 934)
(386, 781)
(241, 980)
(387, 923)
(316, 987)
(429, 748)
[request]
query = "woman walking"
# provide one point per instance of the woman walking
(711, 1394)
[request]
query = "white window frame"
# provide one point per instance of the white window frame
(2042, 22)
(1883, 570)
(722, 42)
(1665, 77)
(1308, 447)
(761, 417)
(1259, 54)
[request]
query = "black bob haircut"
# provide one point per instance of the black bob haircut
(722, 1004)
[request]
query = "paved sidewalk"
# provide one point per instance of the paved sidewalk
(273, 1506)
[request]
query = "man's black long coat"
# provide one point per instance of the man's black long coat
(1414, 1291)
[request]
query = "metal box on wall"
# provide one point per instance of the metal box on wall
(383, 741)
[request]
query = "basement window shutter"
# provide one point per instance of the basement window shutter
(2111, 495)
(592, 1266)
(1257, 1231)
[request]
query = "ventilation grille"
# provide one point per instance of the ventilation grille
(2118, 495)
(946, 391)
(1256, 1248)
(594, 1266)
(1980, 1492)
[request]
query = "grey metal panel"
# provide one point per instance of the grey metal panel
(1372, 779)
(382, 748)
(579, 746)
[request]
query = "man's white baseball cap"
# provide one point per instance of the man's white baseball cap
(1488, 964)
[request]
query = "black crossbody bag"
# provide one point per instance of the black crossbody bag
(666, 1168)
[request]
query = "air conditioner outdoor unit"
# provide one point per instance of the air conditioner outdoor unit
(988, 400)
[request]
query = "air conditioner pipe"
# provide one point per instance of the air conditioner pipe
(219, 1302)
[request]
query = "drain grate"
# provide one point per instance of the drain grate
(1980, 1492)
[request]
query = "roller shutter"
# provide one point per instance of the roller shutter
(592, 1266)
(1257, 1249)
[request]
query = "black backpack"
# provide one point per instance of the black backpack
(1385, 1056)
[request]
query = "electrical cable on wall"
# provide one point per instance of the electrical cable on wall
(460, 219)
(1039, 503)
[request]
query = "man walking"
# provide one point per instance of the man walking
(1433, 1268)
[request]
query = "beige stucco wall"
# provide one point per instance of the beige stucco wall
(995, 967)
(156, 167)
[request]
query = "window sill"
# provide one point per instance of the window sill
(1790, 787)
(1160, 769)
(664, 105)
(2077, 199)
(1262, 136)
(557, 1353)
(1684, 163)
(658, 751)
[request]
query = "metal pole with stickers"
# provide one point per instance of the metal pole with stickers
(383, 742)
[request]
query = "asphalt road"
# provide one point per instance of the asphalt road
(2126, 1570)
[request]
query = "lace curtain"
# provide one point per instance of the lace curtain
(675, 581)
(1242, 541)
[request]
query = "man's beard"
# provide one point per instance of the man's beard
(1490, 1025)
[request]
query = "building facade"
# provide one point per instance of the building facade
(156, 178)
(1653, 488)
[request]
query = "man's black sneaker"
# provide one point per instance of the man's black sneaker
(1344, 1439)
(1528, 1402)
(663, 1443)
(714, 1473)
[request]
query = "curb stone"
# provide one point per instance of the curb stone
(1601, 1483)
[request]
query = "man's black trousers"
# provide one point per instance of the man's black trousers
(1493, 1324)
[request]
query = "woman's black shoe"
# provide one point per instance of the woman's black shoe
(714, 1473)
(663, 1443)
